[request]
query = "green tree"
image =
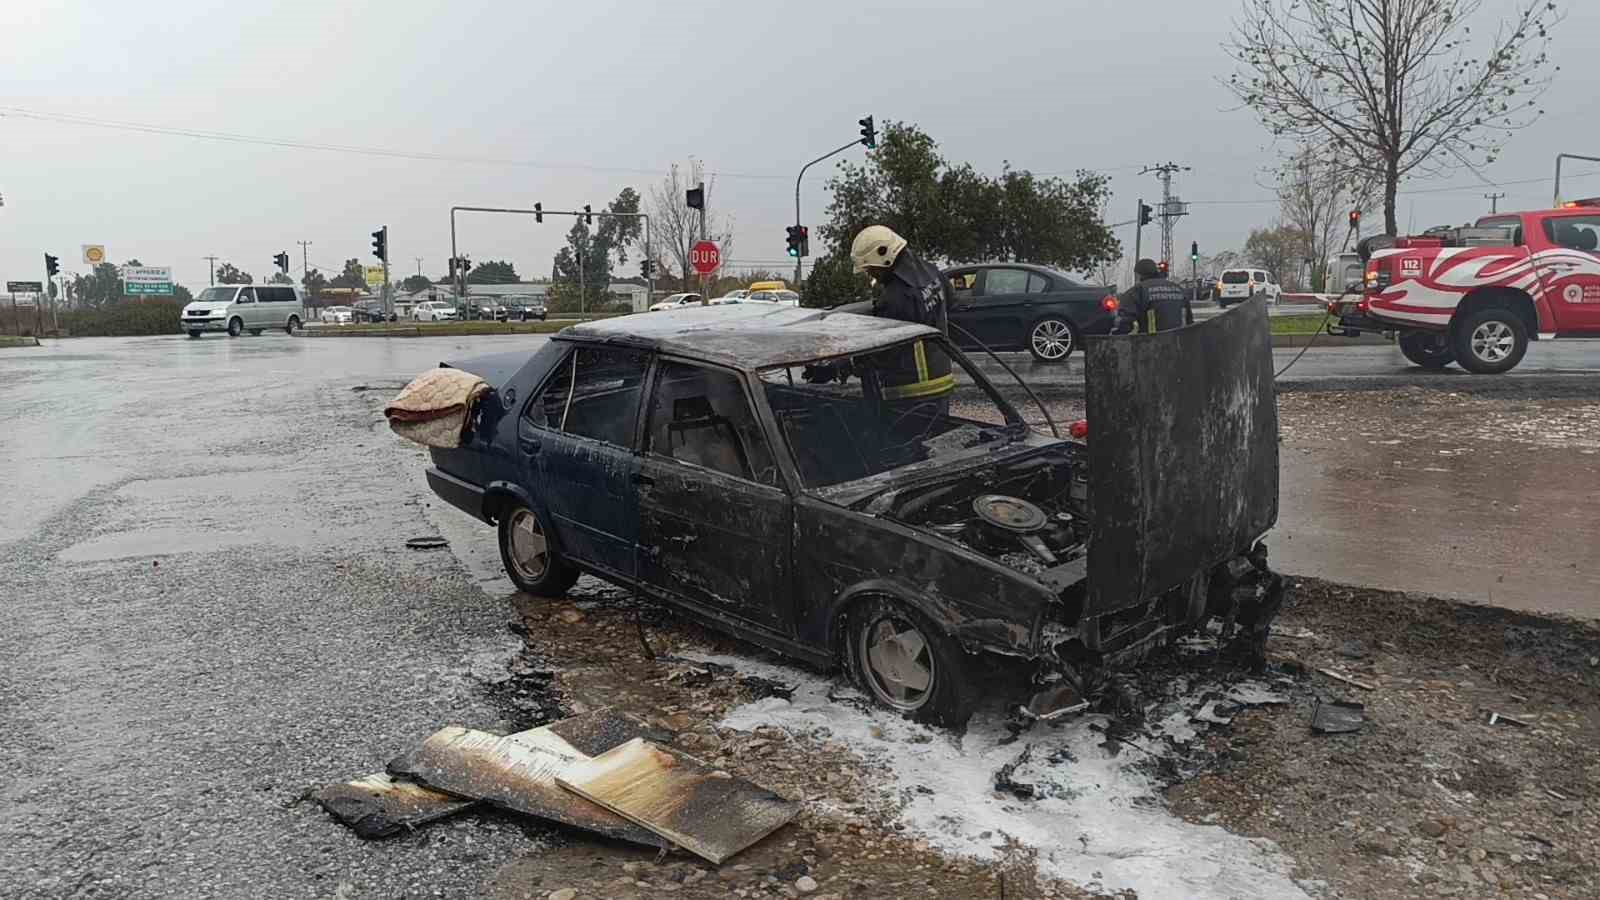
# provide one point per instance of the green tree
(495, 271)
(181, 294)
(1391, 88)
(354, 276)
(415, 283)
(280, 278)
(619, 234)
(228, 273)
(596, 258)
(314, 282)
(103, 285)
(954, 213)
(833, 281)
(1278, 249)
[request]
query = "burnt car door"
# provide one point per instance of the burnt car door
(576, 437)
(714, 512)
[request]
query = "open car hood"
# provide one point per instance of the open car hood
(1183, 453)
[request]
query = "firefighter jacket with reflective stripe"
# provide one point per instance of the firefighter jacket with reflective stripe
(1154, 304)
(915, 292)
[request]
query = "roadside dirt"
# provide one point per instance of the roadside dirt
(1427, 799)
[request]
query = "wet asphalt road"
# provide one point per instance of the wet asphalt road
(210, 608)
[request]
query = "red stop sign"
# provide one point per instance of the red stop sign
(705, 257)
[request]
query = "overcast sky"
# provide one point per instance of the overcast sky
(606, 95)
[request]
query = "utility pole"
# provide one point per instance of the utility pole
(305, 267)
(1171, 207)
(419, 265)
(1494, 201)
(213, 261)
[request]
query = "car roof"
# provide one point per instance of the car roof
(749, 336)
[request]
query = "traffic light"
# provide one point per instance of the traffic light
(1194, 251)
(538, 213)
(805, 241)
(380, 243)
(1145, 213)
(793, 240)
(1355, 219)
(282, 262)
(588, 217)
(1163, 267)
(52, 265)
(647, 267)
(695, 198)
(869, 133)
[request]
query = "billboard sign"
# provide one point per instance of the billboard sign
(146, 280)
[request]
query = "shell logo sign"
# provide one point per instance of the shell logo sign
(94, 254)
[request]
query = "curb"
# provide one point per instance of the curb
(1296, 341)
(7, 340)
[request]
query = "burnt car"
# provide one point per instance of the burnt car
(936, 547)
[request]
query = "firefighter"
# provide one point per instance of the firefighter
(910, 290)
(1153, 304)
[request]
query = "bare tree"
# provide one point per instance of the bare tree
(1316, 198)
(675, 227)
(1391, 88)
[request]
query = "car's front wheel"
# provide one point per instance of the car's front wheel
(529, 559)
(1428, 349)
(292, 326)
(1052, 340)
(908, 665)
(235, 327)
(1490, 341)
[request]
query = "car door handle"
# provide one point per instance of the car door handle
(638, 478)
(529, 445)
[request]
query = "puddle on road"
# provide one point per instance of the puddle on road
(179, 541)
(1096, 820)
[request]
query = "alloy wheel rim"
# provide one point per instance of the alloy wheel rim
(530, 552)
(1052, 339)
(899, 663)
(1492, 341)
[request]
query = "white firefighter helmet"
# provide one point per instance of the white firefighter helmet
(876, 245)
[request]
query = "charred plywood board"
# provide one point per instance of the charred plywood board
(518, 773)
(706, 811)
(378, 806)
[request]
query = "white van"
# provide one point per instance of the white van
(1239, 285)
(237, 308)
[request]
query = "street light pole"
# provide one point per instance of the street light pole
(213, 261)
(797, 259)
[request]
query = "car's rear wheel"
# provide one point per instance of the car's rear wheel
(530, 560)
(1428, 349)
(1052, 339)
(1490, 341)
(908, 665)
(292, 326)
(235, 327)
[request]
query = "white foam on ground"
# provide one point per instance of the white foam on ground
(1096, 820)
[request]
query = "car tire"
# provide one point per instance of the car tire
(235, 327)
(1428, 349)
(533, 565)
(1489, 341)
(194, 333)
(1052, 339)
(890, 648)
(292, 326)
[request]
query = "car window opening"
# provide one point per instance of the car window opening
(842, 424)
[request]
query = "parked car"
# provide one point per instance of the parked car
(523, 310)
(337, 315)
(1014, 306)
(237, 308)
(734, 296)
(1477, 296)
(1239, 285)
(783, 297)
(676, 301)
(938, 551)
(1199, 290)
(434, 311)
(372, 311)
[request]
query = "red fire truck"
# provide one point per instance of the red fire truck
(1477, 295)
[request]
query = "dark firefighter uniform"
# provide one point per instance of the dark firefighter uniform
(1153, 304)
(914, 291)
